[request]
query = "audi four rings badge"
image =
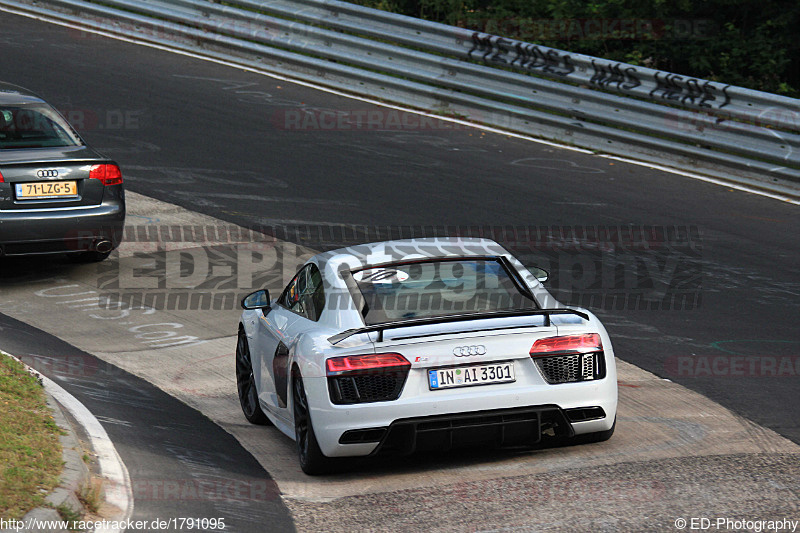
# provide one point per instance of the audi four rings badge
(466, 351)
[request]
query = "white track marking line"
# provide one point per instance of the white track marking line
(709, 179)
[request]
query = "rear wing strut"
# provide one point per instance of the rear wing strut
(380, 328)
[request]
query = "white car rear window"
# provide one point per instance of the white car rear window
(433, 288)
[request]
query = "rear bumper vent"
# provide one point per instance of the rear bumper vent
(373, 387)
(583, 414)
(572, 368)
(359, 436)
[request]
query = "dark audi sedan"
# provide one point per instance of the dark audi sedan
(57, 195)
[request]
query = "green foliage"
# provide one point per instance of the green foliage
(30, 452)
(750, 43)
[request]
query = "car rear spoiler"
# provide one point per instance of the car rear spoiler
(380, 328)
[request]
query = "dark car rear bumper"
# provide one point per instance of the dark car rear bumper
(43, 231)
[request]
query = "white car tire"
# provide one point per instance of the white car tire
(312, 460)
(246, 384)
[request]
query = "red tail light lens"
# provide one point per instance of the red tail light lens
(360, 363)
(107, 173)
(2, 179)
(588, 342)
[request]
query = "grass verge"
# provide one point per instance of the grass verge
(30, 452)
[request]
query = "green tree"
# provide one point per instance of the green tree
(751, 43)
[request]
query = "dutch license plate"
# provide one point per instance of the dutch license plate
(46, 189)
(465, 376)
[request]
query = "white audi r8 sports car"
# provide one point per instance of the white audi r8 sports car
(421, 344)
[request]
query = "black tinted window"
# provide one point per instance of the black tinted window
(34, 126)
(304, 295)
(434, 288)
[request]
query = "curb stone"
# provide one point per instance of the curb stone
(74, 476)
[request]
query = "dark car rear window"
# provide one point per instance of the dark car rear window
(435, 288)
(34, 126)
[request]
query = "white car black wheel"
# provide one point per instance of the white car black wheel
(246, 384)
(312, 460)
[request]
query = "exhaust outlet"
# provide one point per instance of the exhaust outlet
(103, 246)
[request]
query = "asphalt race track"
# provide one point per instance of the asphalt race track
(182, 465)
(672, 449)
(253, 151)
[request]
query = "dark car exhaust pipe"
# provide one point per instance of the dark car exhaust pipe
(103, 246)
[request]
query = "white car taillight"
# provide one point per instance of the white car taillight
(358, 363)
(567, 344)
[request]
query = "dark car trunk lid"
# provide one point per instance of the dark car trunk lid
(49, 165)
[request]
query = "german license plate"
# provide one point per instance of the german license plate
(46, 189)
(466, 376)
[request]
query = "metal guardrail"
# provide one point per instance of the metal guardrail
(720, 130)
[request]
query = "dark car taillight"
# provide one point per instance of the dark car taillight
(366, 378)
(570, 358)
(2, 179)
(108, 173)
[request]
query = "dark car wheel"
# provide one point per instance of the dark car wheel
(246, 384)
(312, 460)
